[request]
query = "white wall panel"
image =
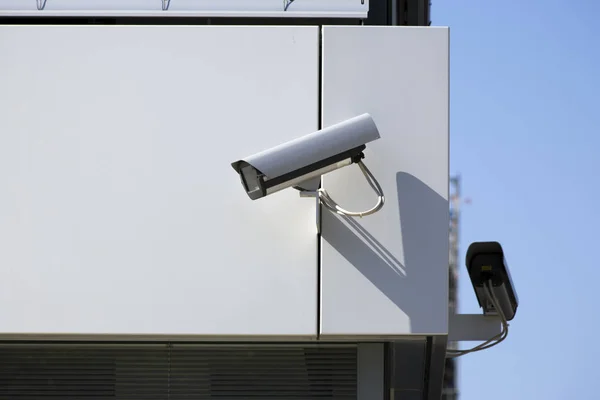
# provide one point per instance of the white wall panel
(119, 210)
(387, 274)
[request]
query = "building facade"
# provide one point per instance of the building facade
(133, 265)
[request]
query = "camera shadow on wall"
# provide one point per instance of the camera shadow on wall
(410, 273)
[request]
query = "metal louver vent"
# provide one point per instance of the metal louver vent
(177, 371)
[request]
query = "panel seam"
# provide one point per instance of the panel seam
(318, 211)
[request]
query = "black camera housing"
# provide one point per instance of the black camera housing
(486, 262)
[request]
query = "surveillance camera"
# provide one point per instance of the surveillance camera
(486, 264)
(294, 163)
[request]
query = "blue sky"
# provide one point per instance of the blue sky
(525, 119)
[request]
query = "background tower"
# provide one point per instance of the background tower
(450, 389)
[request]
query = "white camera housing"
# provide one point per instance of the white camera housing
(298, 161)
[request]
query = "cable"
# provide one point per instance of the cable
(493, 341)
(329, 203)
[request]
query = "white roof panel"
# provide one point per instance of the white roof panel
(182, 8)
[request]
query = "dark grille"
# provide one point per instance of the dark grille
(177, 372)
